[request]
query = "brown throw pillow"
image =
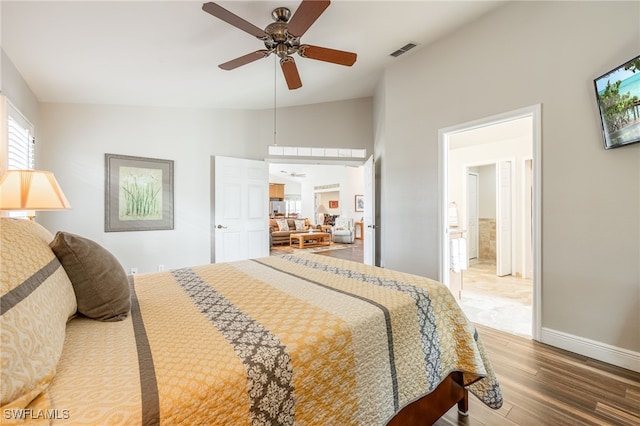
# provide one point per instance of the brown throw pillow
(99, 281)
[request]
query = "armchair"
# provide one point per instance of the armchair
(343, 230)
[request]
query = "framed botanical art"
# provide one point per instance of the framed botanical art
(359, 203)
(333, 204)
(138, 193)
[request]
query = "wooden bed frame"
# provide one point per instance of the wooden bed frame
(429, 408)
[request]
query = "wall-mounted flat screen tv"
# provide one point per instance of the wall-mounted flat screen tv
(618, 94)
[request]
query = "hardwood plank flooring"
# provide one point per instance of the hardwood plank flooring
(543, 385)
(353, 252)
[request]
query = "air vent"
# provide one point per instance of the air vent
(403, 49)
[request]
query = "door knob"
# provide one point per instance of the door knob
(221, 227)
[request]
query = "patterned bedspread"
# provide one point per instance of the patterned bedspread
(305, 340)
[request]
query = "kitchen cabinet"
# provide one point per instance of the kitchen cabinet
(276, 191)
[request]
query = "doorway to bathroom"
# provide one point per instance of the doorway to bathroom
(490, 189)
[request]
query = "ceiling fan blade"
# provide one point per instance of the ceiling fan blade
(230, 18)
(290, 71)
(244, 60)
(305, 16)
(339, 57)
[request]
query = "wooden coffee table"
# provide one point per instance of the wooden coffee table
(310, 239)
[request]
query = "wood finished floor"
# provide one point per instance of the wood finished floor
(542, 385)
(352, 252)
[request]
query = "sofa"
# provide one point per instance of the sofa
(281, 229)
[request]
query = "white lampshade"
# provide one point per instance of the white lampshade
(322, 209)
(31, 190)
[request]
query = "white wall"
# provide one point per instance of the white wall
(350, 180)
(487, 191)
(522, 54)
(13, 86)
(352, 186)
(76, 137)
(16, 91)
(344, 124)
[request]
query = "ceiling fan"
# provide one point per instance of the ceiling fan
(294, 174)
(282, 37)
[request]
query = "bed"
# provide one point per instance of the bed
(291, 339)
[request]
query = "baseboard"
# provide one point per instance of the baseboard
(597, 350)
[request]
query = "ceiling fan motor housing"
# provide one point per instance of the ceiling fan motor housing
(278, 39)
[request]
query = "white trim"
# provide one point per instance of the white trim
(535, 112)
(4, 136)
(303, 151)
(536, 221)
(597, 350)
(524, 189)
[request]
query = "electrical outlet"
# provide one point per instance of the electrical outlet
(134, 271)
(160, 268)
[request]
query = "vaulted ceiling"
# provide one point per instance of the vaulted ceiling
(166, 53)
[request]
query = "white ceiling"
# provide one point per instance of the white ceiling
(166, 53)
(491, 133)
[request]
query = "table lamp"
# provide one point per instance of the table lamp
(31, 190)
(322, 210)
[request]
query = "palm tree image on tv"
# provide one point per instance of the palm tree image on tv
(619, 103)
(140, 194)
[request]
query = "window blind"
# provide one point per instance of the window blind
(21, 148)
(20, 145)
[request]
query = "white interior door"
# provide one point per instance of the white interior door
(240, 209)
(504, 221)
(369, 213)
(472, 214)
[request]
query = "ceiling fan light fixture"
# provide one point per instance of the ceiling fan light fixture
(282, 51)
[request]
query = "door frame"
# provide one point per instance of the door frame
(535, 112)
(369, 214)
(371, 236)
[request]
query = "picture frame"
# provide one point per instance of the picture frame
(618, 99)
(359, 203)
(333, 204)
(138, 194)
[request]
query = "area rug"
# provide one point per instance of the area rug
(285, 249)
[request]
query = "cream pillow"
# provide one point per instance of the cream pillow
(301, 224)
(283, 224)
(37, 301)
